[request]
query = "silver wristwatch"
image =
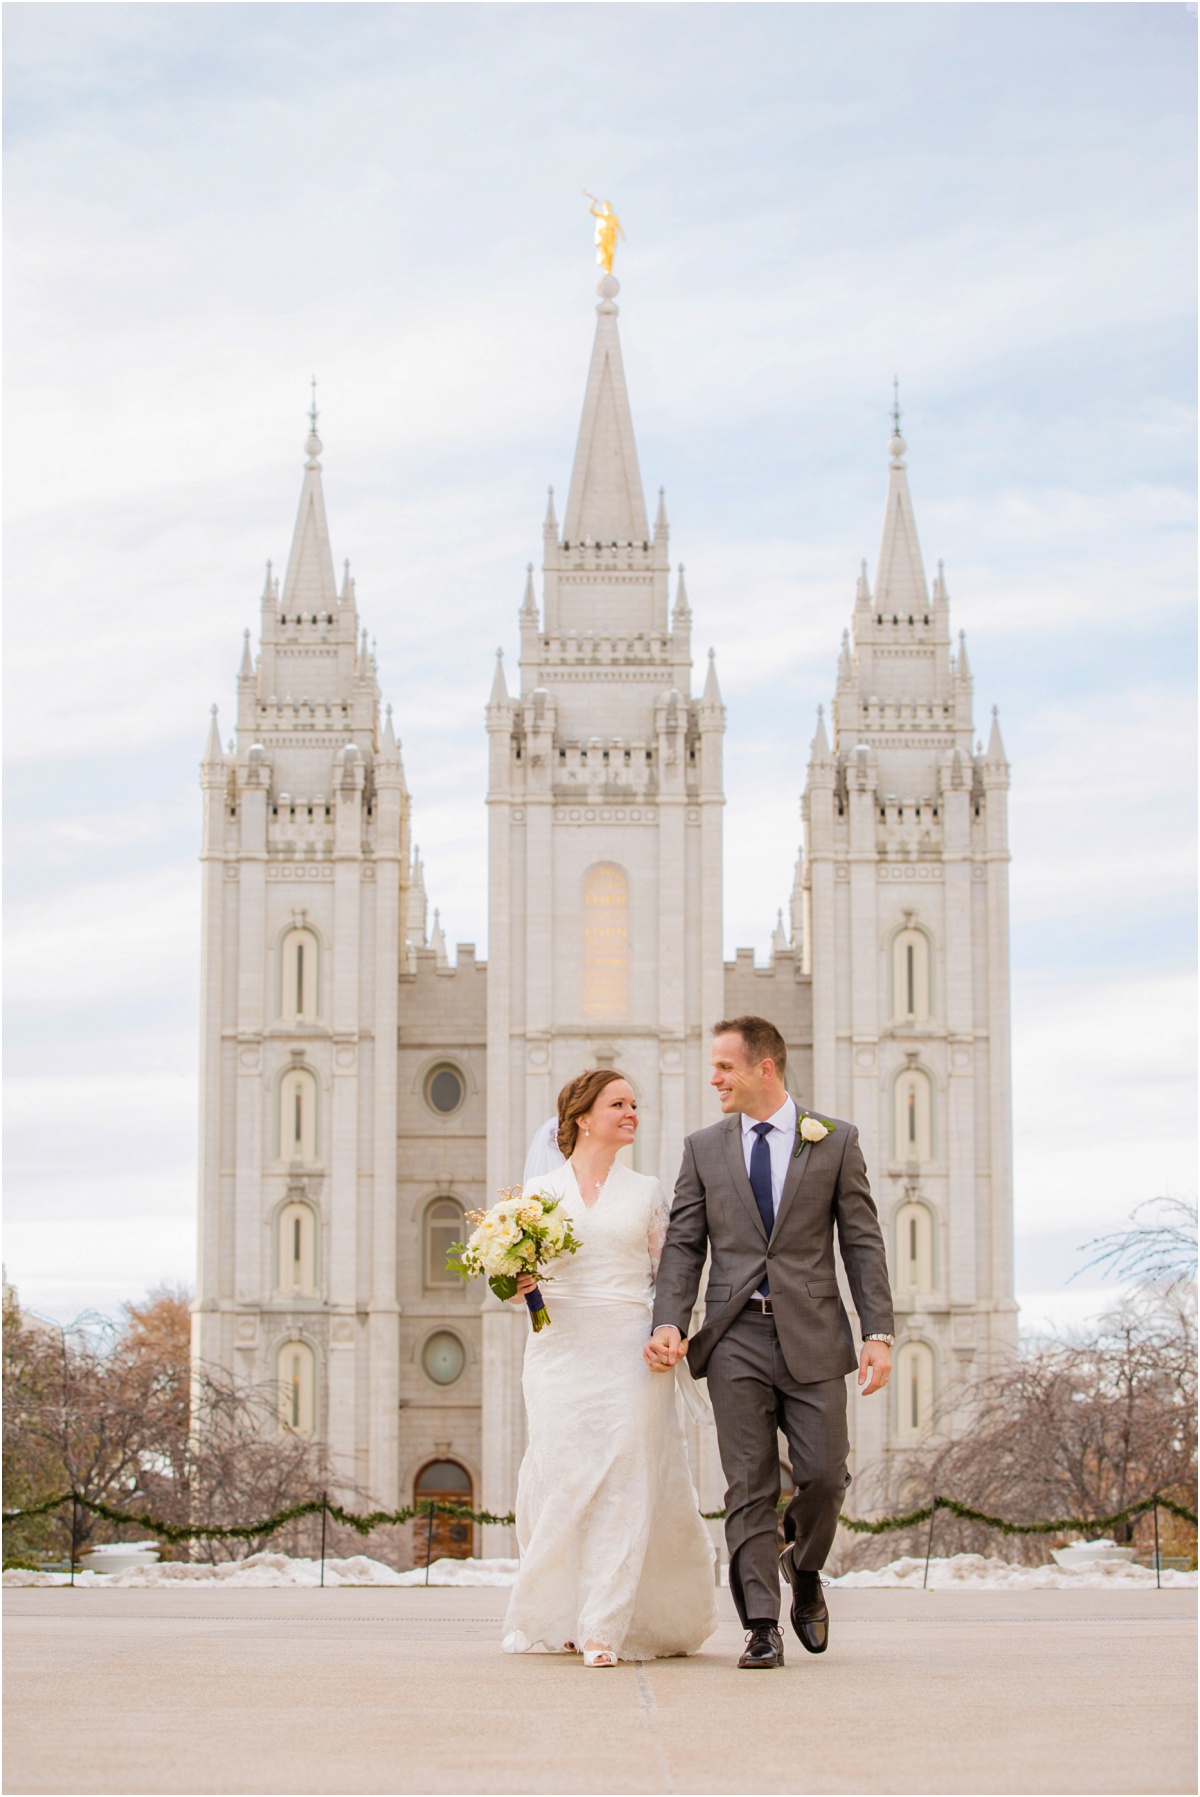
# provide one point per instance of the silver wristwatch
(889, 1339)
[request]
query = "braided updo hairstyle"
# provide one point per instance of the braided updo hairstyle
(576, 1100)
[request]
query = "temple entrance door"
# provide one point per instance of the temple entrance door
(453, 1537)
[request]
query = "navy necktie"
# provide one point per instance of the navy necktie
(760, 1185)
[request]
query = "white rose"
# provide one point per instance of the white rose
(812, 1129)
(496, 1259)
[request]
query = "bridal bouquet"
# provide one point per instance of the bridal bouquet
(521, 1234)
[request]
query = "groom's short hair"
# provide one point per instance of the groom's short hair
(762, 1040)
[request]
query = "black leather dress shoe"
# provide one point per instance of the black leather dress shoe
(764, 1646)
(810, 1615)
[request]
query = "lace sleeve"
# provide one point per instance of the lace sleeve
(660, 1216)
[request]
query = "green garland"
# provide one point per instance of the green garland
(364, 1524)
(375, 1519)
(1061, 1525)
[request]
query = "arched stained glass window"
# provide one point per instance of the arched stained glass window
(298, 1116)
(606, 941)
(913, 1261)
(914, 1117)
(298, 1250)
(297, 1388)
(299, 992)
(444, 1225)
(914, 1388)
(910, 977)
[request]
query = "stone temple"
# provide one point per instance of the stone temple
(360, 1092)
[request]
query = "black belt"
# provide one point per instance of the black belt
(760, 1306)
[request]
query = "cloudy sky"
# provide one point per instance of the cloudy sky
(207, 204)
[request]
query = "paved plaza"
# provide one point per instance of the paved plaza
(406, 1691)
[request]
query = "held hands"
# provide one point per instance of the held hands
(525, 1283)
(665, 1347)
(875, 1361)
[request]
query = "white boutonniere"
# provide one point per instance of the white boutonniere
(811, 1129)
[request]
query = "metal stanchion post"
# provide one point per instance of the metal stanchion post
(929, 1545)
(1157, 1554)
(324, 1513)
(74, 1532)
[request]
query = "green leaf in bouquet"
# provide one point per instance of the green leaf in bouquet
(504, 1285)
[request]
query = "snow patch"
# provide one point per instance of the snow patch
(957, 1573)
(978, 1571)
(268, 1569)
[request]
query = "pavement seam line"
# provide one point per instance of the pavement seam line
(648, 1708)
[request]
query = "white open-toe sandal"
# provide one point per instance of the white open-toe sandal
(599, 1656)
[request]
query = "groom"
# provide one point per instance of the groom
(762, 1192)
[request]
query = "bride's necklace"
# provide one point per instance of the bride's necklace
(589, 1184)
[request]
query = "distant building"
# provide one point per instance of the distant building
(360, 1093)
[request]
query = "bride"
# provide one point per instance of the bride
(614, 1555)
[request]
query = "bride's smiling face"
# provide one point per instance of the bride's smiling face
(612, 1120)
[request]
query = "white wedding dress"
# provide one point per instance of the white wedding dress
(612, 1546)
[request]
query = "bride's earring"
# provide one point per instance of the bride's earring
(586, 1130)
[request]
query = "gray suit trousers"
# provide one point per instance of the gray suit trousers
(754, 1396)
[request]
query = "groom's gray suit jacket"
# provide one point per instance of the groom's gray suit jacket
(714, 1209)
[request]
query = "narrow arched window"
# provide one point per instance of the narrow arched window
(914, 1249)
(297, 1388)
(910, 977)
(914, 1388)
(914, 1117)
(299, 991)
(297, 1251)
(298, 1117)
(443, 1227)
(606, 941)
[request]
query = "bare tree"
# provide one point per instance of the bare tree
(118, 1414)
(1160, 1250)
(1082, 1426)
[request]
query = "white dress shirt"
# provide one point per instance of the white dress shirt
(780, 1141)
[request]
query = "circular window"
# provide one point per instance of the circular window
(445, 1090)
(444, 1357)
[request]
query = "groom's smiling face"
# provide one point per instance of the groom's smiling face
(737, 1081)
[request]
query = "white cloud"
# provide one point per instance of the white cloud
(117, 940)
(1104, 1093)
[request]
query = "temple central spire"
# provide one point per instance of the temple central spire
(309, 586)
(605, 503)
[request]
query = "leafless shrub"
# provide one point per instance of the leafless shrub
(1080, 1426)
(118, 1414)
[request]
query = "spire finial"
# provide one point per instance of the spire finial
(313, 447)
(897, 445)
